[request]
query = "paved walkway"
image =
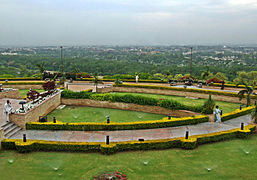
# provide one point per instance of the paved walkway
(129, 135)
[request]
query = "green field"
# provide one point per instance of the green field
(225, 106)
(23, 92)
(90, 114)
(227, 160)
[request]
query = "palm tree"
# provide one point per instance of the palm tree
(248, 91)
(254, 114)
(206, 73)
(41, 68)
(96, 81)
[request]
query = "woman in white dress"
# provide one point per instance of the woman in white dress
(217, 114)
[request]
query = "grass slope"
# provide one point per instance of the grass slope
(227, 160)
(225, 106)
(91, 114)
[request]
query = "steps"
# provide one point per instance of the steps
(10, 129)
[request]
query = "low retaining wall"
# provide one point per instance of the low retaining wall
(127, 106)
(1, 135)
(27, 86)
(12, 94)
(173, 92)
(40, 110)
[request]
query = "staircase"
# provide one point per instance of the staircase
(10, 129)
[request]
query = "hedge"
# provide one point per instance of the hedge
(90, 126)
(237, 113)
(182, 89)
(129, 98)
(20, 79)
(112, 147)
(228, 85)
(23, 83)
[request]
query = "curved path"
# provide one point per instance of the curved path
(129, 135)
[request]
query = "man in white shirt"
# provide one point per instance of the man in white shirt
(7, 110)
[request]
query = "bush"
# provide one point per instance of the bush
(48, 86)
(208, 106)
(237, 113)
(165, 122)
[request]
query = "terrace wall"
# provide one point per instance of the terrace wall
(1, 135)
(127, 106)
(12, 94)
(172, 92)
(40, 110)
(24, 86)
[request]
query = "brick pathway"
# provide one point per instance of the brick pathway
(128, 135)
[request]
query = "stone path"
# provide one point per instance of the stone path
(129, 135)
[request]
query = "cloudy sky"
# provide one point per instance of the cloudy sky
(127, 22)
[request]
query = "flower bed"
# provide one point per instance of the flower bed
(237, 113)
(165, 122)
(113, 175)
(181, 142)
(232, 94)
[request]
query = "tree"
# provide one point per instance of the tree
(206, 73)
(96, 81)
(208, 106)
(254, 114)
(248, 91)
(41, 68)
(222, 76)
(249, 77)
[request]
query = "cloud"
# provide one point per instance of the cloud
(127, 21)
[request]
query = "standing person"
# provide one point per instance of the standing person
(137, 77)
(217, 114)
(7, 110)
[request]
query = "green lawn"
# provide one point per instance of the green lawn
(23, 92)
(225, 106)
(227, 160)
(90, 114)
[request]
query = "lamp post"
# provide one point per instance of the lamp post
(191, 48)
(61, 60)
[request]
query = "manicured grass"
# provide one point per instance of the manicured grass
(227, 160)
(225, 106)
(23, 92)
(90, 114)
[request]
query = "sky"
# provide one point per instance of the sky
(128, 22)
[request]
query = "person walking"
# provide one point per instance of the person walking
(7, 110)
(137, 78)
(217, 114)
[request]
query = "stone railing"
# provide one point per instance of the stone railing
(32, 111)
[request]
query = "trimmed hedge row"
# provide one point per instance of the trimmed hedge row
(232, 94)
(24, 83)
(129, 98)
(237, 113)
(20, 79)
(228, 85)
(191, 143)
(165, 122)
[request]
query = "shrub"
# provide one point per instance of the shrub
(48, 86)
(208, 106)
